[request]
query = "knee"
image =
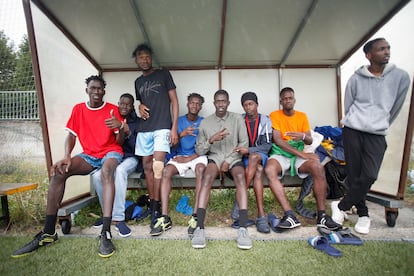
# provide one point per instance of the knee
(199, 169)
(254, 158)
(167, 172)
(157, 167)
(259, 170)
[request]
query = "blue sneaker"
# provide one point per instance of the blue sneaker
(273, 221)
(262, 225)
(123, 229)
(98, 223)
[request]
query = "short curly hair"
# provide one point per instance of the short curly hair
(95, 78)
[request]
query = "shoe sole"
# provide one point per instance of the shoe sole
(106, 255)
(163, 230)
(22, 255)
(31, 252)
(287, 228)
(245, 247)
(197, 246)
(361, 232)
(326, 227)
(97, 226)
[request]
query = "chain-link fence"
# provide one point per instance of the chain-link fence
(17, 98)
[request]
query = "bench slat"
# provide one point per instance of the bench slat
(12, 188)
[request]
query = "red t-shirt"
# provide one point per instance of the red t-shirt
(297, 123)
(88, 124)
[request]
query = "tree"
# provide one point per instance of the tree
(7, 63)
(23, 79)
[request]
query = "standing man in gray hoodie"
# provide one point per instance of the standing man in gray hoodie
(373, 98)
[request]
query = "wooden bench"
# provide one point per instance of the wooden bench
(135, 182)
(7, 189)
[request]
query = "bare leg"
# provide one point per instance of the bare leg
(58, 182)
(149, 175)
(209, 176)
(317, 171)
(108, 185)
(167, 173)
(273, 170)
(199, 170)
(159, 156)
(240, 181)
(258, 190)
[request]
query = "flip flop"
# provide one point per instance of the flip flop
(343, 236)
(346, 238)
(236, 224)
(322, 244)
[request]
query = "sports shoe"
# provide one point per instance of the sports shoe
(123, 229)
(362, 225)
(106, 247)
(199, 239)
(338, 215)
(328, 223)
(235, 211)
(162, 224)
(98, 223)
(192, 225)
(154, 217)
(41, 239)
(288, 222)
(243, 239)
(262, 225)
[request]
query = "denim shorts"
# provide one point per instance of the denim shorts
(98, 162)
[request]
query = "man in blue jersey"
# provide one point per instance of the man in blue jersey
(184, 159)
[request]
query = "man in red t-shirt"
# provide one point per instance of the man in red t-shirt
(100, 130)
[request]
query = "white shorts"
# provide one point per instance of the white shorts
(182, 168)
(285, 164)
(148, 142)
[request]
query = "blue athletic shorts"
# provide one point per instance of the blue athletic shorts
(149, 142)
(264, 159)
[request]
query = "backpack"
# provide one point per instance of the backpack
(336, 180)
(135, 210)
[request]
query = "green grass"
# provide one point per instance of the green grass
(78, 256)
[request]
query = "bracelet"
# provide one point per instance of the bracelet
(304, 136)
(122, 125)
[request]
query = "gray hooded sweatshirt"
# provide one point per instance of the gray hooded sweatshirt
(372, 103)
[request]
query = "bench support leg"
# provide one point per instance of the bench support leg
(5, 209)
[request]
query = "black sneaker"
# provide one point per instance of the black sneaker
(98, 223)
(327, 222)
(163, 223)
(41, 239)
(154, 217)
(288, 222)
(106, 247)
(192, 225)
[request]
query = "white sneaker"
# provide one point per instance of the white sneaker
(337, 215)
(362, 225)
